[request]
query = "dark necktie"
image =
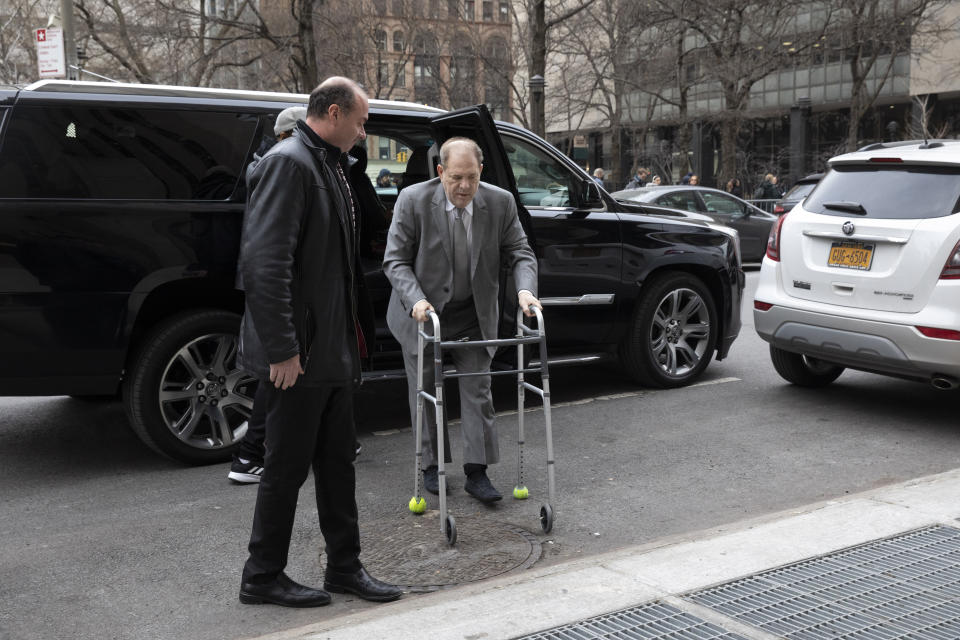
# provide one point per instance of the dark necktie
(461, 259)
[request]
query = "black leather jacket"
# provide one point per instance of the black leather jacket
(298, 264)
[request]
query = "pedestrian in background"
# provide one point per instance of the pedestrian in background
(598, 176)
(299, 338)
(734, 187)
(768, 189)
(639, 178)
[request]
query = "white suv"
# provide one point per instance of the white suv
(865, 272)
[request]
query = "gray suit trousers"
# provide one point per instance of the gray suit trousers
(478, 427)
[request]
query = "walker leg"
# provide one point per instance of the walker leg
(418, 504)
(520, 491)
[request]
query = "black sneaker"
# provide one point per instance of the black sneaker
(245, 471)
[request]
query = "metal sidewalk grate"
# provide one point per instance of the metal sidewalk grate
(653, 621)
(906, 587)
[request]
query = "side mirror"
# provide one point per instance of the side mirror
(590, 197)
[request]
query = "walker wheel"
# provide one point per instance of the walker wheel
(450, 530)
(546, 517)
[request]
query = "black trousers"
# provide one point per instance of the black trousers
(251, 445)
(306, 427)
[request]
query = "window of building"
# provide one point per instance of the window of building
(383, 74)
(398, 43)
(496, 77)
(504, 13)
(125, 153)
(463, 73)
(416, 8)
(435, 9)
(426, 69)
(380, 37)
(380, 6)
(453, 9)
(400, 74)
(469, 10)
(398, 8)
(488, 10)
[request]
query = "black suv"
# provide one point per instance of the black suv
(120, 216)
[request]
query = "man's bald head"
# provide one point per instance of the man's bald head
(335, 90)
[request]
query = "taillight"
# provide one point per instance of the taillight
(762, 306)
(951, 270)
(778, 209)
(773, 240)
(943, 334)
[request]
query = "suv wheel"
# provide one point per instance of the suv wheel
(184, 395)
(673, 332)
(803, 370)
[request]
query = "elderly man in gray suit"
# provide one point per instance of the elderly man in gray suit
(444, 249)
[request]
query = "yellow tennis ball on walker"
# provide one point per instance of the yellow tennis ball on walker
(417, 507)
(521, 493)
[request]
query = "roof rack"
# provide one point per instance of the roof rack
(922, 144)
(160, 90)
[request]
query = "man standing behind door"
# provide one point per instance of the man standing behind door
(444, 249)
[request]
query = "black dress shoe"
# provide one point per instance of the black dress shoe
(284, 592)
(431, 481)
(479, 486)
(361, 583)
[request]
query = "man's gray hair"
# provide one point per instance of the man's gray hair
(445, 149)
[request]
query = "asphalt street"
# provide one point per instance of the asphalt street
(103, 539)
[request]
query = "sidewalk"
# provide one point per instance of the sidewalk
(669, 570)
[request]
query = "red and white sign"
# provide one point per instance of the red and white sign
(51, 60)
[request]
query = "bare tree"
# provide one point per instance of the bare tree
(536, 23)
(874, 34)
(742, 41)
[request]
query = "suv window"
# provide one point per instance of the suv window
(59, 152)
(541, 180)
(902, 192)
(799, 191)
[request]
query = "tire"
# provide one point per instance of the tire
(673, 332)
(802, 370)
(184, 395)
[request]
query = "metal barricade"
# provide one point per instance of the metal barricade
(525, 335)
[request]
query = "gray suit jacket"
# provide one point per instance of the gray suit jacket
(419, 257)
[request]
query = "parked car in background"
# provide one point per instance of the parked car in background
(121, 207)
(865, 272)
(752, 223)
(800, 190)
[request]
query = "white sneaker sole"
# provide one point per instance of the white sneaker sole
(244, 478)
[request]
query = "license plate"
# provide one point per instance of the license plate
(850, 255)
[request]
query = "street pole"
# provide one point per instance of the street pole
(69, 41)
(537, 115)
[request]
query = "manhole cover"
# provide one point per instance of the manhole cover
(411, 551)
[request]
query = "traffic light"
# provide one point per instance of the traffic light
(401, 156)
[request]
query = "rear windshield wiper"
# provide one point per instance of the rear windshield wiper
(849, 207)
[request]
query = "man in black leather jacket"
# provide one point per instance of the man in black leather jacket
(298, 265)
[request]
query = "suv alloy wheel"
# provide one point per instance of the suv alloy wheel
(185, 396)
